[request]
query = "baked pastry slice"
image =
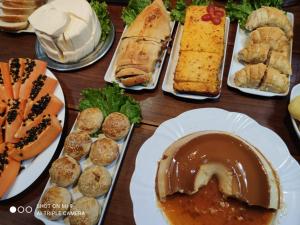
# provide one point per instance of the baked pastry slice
(280, 62)
(250, 76)
(152, 22)
(197, 72)
(254, 53)
(137, 60)
(274, 81)
(269, 16)
(201, 35)
(273, 36)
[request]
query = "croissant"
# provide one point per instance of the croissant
(254, 53)
(250, 76)
(274, 81)
(269, 16)
(280, 62)
(273, 36)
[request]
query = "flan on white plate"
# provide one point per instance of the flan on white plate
(242, 173)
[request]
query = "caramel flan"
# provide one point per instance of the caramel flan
(242, 172)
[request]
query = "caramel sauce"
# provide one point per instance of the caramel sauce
(208, 207)
(250, 180)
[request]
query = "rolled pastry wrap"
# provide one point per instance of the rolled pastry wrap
(272, 36)
(274, 81)
(250, 76)
(254, 53)
(269, 16)
(280, 62)
(135, 80)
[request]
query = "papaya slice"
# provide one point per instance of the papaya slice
(38, 139)
(16, 70)
(35, 110)
(9, 169)
(14, 118)
(32, 69)
(2, 114)
(6, 91)
(41, 86)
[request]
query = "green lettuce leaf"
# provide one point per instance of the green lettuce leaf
(110, 99)
(101, 11)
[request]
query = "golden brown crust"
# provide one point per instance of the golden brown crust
(196, 88)
(55, 202)
(200, 57)
(153, 22)
(134, 80)
(89, 209)
(250, 76)
(94, 181)
(64, 171)
(90, 120)
(104, 151)
(274, 81)
(77, 144)
(201, 35)
(270, 17)
(13, 18)
(116, 126)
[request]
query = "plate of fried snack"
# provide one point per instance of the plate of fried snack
(211, 166)
(261, 59)
(294, 108)
(196, 63)
(32, 118)
(139, 56)
(82, 178)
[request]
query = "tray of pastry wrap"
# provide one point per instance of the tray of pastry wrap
(140, 53)
(262, 54)
(196, 63)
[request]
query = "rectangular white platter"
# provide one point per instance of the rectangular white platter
(167, 85)
(110, 73)
(294, 93)
(84, 163)
(240, 42)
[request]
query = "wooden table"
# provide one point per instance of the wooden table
(156, 108)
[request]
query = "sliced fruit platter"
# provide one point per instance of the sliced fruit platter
(82, 178)
(32, 116)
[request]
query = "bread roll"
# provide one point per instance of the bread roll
(94, 181)
(77, 144)
(64, 171)
(116, 126)
(90, 120)
(104, 151)
(84, 211)
(55, 202)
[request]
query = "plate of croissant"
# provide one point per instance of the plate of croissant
(261, 59)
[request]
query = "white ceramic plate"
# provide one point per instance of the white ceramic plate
(270, 144)
(33, 168)
(295, 92)
(240, 42)
(110, 73)
(167, 85)
(84, 163)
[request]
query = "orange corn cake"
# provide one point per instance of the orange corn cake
(198, 72)
(201, 53)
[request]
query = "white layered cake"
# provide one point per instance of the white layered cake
(68, 30)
